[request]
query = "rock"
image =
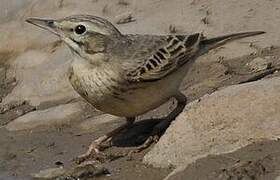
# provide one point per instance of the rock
(61, 114)
(42, 77)
(2, 71)
(85, 170)
(259, 64)
(219, 123)
(97, 121)
(10, 7)
(2, 75)
(230, 50)
(124, 18)
(88, 170)
(51, 173)
(255, 161)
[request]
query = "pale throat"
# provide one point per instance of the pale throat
(92, 60)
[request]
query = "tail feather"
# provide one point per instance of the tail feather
(211, 43)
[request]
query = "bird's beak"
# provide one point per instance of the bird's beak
(47, 24)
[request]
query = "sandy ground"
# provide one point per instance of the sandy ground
(256, 161)
(24, 153)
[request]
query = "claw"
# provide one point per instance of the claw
(94, 150)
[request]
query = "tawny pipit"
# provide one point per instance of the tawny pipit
(128, 75)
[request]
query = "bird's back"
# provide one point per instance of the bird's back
(152, 57)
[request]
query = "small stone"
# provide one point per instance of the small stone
(268, 57)
(205, 20)
(85, 170)
(270, 48)
(124, 18)
(61, 114)
(11, 156)
(51, 173)
(172, 29)
(59, 163)
(123, 2)
(88, 170)
(259, 64)
(20, 112)
(2, 71)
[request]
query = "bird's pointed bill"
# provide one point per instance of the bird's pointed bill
(47, 24)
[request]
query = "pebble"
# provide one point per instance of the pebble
(259, 64)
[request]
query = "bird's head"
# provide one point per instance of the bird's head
(82, 33)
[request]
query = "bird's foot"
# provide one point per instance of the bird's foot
(95, 151)
(151, 139)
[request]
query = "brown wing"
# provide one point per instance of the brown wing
(169, 56)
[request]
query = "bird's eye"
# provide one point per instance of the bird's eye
(80, 29)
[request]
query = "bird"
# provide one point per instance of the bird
(127, 75)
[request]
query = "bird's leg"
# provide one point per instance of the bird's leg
(96, 146)
(160, 128)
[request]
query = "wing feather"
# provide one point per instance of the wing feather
(169, 56)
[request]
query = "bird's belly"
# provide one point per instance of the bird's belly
(128, 101)
(135, 102)
(123, 99)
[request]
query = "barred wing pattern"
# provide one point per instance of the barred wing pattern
(177, 50)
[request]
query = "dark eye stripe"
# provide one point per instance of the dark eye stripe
(69, 29)
(79, 43)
